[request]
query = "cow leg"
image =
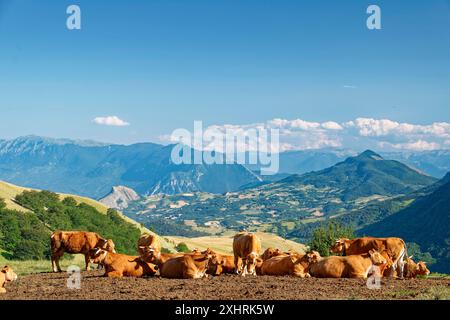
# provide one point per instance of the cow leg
(114, 274)
(55, 261)
(400, 268)
(237, 264)
(86, 260)
(244, 267)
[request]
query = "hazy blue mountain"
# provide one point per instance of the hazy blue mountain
(425, 221)
(92, 169)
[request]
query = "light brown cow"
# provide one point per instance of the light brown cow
(246, 249)
(395, 248)
(412, 269)
(187, 266)
(121, 265)
(294, 264)
(75, 242)
(6, 275)
(221, 264)
(271, 252)
(148, 241)
(354, 266)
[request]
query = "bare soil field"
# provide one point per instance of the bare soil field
(49, 286)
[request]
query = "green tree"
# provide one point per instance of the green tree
(415, 251)
(182, 247)
(325, 236)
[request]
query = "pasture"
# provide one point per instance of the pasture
(49, 286)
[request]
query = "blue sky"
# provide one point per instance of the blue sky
(161, 64)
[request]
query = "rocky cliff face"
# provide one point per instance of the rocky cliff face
(120, 197)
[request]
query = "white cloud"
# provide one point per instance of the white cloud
(360, 133)
(349, 86)
(111, 121)
(417, 146)
(331, 125)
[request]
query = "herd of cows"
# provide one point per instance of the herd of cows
(360, 258)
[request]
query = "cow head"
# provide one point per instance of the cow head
(208, 252)
(340, 246)
(9, 274)
(97, 255)
(196, 251)
(251, 261)
(107, 245)
(422, 269)
(270, 252)
(313, 257)
(215, 265)
(149, 254)
(377, 258)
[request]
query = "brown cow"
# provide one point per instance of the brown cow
(221, 264)
(6, 275)
(246, 249)
(148, 241)
(271, 252)
(294, 264)
(187, 266)
(74, 242)
(412, 269)
(121, 265)
(354, 266)
(395, 248)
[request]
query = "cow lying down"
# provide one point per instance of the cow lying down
(353, 266)
(186, 266)
(6, 275)
(121, 265)
(290, 264)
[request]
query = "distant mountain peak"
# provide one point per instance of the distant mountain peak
(369, 154)
(120, 197)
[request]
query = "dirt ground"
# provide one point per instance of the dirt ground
(49, 286)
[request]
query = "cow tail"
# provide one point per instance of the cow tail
(406, 250)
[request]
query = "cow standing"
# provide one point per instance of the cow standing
(76, 242)
(394, 247)
(246, 249)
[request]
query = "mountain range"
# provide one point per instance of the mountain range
(92, 169)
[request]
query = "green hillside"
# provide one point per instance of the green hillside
(27, 218)
(426, 222)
